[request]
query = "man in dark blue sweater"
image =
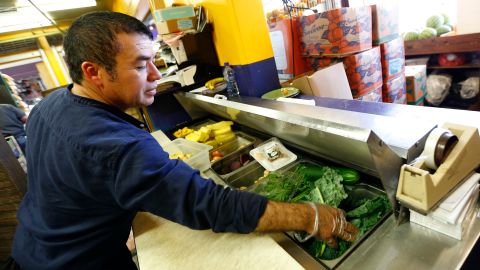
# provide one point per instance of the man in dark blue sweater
(92, 167)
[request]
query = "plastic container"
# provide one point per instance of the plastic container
(200, 158)
(272, 155)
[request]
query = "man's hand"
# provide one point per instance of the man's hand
(332, 224)
(301, 217)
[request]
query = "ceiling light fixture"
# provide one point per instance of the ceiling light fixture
(27, 16)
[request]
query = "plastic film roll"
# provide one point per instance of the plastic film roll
(437, 147)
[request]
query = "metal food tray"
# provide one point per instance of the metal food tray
(241, 141)
(355, 193)
(359, 191)
(246, 176)
(240, 148)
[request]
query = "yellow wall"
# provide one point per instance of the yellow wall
(241, 34)
(240, 29)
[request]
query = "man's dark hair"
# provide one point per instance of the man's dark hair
(93, 37)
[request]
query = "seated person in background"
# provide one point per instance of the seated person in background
(12, 120)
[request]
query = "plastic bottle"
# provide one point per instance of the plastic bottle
(229, 76)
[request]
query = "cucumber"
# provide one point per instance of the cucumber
(313, 172)
(310, 171)
(350, 176)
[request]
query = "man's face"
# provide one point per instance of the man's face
(134, 83)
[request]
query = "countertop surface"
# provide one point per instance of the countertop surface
(162, 244)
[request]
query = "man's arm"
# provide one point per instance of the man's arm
(301, 217)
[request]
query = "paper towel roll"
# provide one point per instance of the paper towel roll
(437, 147)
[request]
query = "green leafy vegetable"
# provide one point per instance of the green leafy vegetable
(321, 184)
(282, 186)
(368, 207)
(331, 187)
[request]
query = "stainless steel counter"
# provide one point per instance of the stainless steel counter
(392, 247)
(343, 131)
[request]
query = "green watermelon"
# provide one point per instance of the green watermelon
(410, 36)
(435, 21)
(446, 18)
(443, 29)
(427, 33)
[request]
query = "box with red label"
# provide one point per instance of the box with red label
(416, 78)
(337, 32)
(394, 90)
(284, 46)
(385, 22)
(317, 63)
(393, 58)
(364, 71)
(373, 96)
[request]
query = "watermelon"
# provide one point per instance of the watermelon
(427, 33)
(446, 18)
(410, 36)
(443, 29)
(435, 21)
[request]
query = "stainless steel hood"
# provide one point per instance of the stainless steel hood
(375, 144)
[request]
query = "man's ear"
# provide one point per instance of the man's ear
(92, 73)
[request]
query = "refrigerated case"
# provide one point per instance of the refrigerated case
(376, 139)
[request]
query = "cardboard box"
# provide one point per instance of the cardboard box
(373, 96)
(172, 13)
(177, 25)
(394, 90)
(328, 82)
(385, 22)
(337, 32)
(416, 83)
(393, 58)
(364, 71)
(286, 49)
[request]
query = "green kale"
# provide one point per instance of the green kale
(331, 188)
(322, 251)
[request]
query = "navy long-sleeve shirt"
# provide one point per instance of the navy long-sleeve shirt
(91, 168)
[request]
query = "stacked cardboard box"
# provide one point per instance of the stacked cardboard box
(337, 32)
(175, 19)
(286, 49)
(393, 67)
(346, 35)
(416, 78)
(364, 73)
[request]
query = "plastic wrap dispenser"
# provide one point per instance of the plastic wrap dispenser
(420, 189)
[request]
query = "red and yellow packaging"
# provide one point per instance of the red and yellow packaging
(393, 58)
(337, 32)
(373, 96)
(364, 71)
(385, 22)
(284, 46)
(394, 90)
(416, 82)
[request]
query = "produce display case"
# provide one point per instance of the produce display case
(253, 176)
(353, 134)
